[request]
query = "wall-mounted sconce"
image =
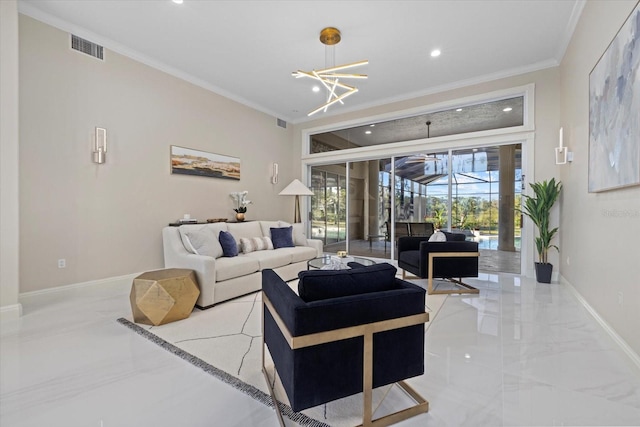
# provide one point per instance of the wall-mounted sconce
(274, 174)
(563, 155)
(100, 146)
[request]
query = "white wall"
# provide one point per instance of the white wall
(9, 213)
(600, 231)
(106, 220)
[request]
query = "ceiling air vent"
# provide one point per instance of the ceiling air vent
(85, 46)
(282, 123)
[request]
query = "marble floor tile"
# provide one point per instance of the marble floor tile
(68, 363)
(517, 354)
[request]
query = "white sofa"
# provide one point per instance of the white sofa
(196, 247)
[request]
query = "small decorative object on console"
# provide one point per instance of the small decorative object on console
(188, 221)
(210, 220)
(240, 198)
(241, 203)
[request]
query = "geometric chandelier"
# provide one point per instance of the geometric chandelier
(330, 77)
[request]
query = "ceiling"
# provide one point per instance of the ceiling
(247, 50)
(470, 118)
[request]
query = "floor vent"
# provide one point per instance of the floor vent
(282, 123)
(85, 46)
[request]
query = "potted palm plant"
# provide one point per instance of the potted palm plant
(538, 208)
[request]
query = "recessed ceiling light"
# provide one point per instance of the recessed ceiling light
(373, 125)
(178, 1)
(368, 132)
(435, 52)
(316, 88)
(459, 109)
(506, 110)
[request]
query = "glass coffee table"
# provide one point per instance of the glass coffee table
(327, 260)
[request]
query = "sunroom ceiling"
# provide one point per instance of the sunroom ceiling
(488, 160)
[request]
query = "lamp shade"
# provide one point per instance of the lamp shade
(296, 188)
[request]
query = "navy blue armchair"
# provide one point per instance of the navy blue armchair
(348, 331)
(451, 260)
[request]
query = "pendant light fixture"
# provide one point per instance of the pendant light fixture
(331, 75)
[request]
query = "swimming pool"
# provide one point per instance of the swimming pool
(491, 242)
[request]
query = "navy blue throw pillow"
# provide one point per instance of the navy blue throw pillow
(282, 237)
(228, 243)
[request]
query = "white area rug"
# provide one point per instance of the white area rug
(225, 341)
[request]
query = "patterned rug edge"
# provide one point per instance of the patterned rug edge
(223, 376)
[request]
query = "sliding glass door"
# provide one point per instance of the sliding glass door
(487, 186)
(477, 192)
(369, 209)
(351, 206)
(328, 204)
(365, 206)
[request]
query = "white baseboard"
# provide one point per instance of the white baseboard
(10, 312)
(626, 349)
(530, 273)
(555, 275)
(118, 280)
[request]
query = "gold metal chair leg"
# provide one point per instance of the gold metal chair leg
(421, 407)
(276, 404)
(366, 331)
(468, 289)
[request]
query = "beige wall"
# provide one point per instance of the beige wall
(600, 255)
(106, 220)
(9, 213)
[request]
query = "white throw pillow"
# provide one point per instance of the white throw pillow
(251, 244)
(438, 236)
(201, 241)
(267, 225)
(299, 238)
(186, 242)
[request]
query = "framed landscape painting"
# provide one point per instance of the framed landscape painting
(614, 111)
(187, 161)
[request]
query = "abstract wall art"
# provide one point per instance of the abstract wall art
(614, 111)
